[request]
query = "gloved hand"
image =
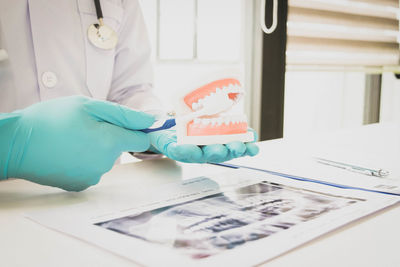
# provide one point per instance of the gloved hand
(69, 142)
(165, 142)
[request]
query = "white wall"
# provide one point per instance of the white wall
(390, 99)
(322, 101)
(194, 39)
(173, 80)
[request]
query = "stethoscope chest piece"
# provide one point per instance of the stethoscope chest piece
(102, 36)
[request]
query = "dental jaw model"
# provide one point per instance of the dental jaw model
(207, 118)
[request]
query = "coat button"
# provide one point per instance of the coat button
(49, 79)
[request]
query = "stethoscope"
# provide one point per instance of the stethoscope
(100, 35)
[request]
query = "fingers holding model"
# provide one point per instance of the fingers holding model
(69, 142)
(165, 142)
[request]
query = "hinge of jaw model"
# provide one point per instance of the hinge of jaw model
(208, 120)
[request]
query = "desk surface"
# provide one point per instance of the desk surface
(372, 241)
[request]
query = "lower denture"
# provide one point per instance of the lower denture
(199, 129)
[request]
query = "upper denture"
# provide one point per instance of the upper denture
(230, 86)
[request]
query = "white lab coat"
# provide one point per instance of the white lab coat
(51, 56)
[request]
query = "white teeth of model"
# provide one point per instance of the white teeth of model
(227, 120)
(225, 89)
(232, 88)
(213, 122)
(206, 121)
(237, 88)
(219, 121)
(195, 106)
(197, 120)
(218, 90)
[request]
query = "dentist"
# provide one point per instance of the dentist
(74, 69)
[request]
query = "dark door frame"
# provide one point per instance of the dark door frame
(273, 74)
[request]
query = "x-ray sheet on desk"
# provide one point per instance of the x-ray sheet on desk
(240, 225)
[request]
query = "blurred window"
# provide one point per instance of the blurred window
(191, 38)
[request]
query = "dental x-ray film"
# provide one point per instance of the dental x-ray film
(235, 218)
(213, 224)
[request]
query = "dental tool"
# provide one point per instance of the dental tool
(210, 108)
(160, 125)
(216, 104)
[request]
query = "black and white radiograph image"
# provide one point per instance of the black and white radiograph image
(210, 225)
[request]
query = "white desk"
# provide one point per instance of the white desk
(372, 241)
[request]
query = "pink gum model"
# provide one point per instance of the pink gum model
(215, 128)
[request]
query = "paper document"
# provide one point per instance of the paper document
(238, 217)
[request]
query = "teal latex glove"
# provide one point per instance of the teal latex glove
(165, 142)
(69, 142)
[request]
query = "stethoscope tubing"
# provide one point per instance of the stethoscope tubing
(99, 11)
